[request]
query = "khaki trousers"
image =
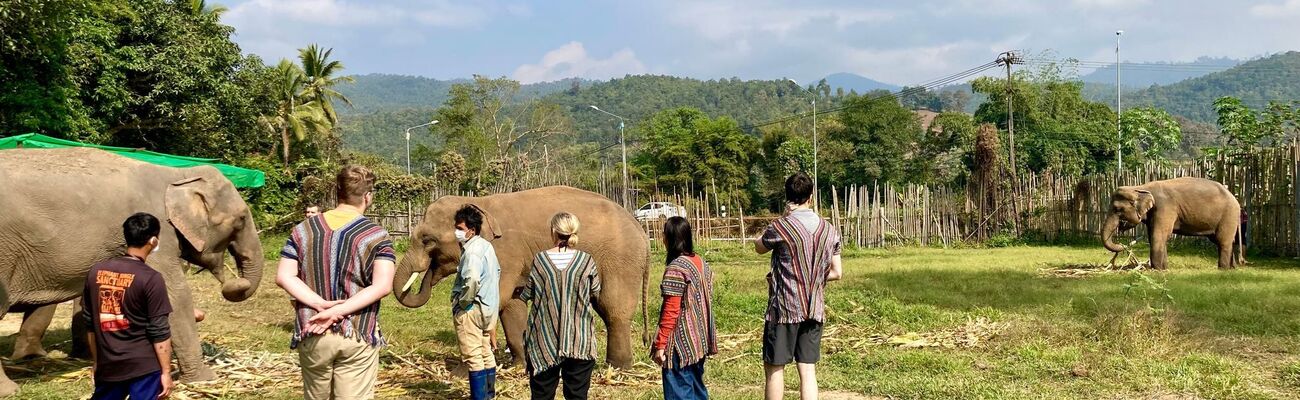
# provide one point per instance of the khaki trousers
(475, 340)
(337, 367)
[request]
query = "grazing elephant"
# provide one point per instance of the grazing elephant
(63, 212)
(518, 225)
(1185, 206)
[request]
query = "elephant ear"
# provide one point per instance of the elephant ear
(490, 228)
(1145, 201)
(188, 210)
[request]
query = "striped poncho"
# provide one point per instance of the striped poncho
(561, 321)
(801, 259)
(695, 336)
(336, 264)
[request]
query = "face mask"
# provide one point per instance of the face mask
(461, 236)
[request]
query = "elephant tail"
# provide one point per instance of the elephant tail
(645, 307)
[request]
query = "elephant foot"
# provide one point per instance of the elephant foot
(7, 387)
(22, 351)
(200, 374)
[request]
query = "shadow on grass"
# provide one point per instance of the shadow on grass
(41, 369)
(1250, 301)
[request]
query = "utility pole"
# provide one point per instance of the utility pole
(1119, 107)
(1007, 59)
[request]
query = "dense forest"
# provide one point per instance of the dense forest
(165, 75)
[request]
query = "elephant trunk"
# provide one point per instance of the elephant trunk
(247, 251)
(414, 262)
(1108, 230)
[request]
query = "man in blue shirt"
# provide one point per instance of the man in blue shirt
(474, 301)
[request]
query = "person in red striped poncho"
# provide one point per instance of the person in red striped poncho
(687, 334)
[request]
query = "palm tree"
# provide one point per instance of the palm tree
(200, 7)
(294, 114)
(320, 79)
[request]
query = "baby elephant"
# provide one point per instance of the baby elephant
(1185, 206)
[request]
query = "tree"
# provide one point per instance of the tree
(919, 98)
(1149, 132)
(1243, 129)
(1056, 128)
(876, 139)
(954, 100)
(493, 127)
(685, 149)
(294, 116)
(320, 79)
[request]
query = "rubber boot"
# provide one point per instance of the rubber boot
(478, 385)
(491, 383)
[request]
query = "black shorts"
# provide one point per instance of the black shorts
(801, 342)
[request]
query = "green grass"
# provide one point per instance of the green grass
(1224, 334)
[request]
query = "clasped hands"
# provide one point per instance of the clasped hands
(326, 316)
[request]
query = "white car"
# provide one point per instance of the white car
(659, 209)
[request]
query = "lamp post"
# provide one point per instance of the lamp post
(408, 143)
(1119, 106)
(814, 131)
(621, 143)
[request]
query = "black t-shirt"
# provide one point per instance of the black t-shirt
(123, 296)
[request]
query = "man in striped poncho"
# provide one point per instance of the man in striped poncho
(337, 266)
(805, 255)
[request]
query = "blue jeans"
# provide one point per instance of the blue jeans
(685, 382)
(148, 386)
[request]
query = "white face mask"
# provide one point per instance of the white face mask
(461, 236)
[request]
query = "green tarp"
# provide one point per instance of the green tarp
(241, 177)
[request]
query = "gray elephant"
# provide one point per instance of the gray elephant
(518, 225)
(1184, 206)
(63, 212)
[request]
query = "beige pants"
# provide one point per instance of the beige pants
(475, 340)
(336, 367)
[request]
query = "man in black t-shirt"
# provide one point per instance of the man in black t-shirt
(126, 303)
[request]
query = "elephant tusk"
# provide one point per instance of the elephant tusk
(409, 282)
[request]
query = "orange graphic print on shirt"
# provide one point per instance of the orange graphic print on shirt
(112, 289)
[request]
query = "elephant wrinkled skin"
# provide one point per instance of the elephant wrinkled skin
(63, 212)
(1184, 206)
(518, 224)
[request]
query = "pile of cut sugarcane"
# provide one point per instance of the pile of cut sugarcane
(1130, 263)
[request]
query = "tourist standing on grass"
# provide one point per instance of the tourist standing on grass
(337, 266)
(687, 335)
(474, 300)
(125, 303)
(561, 339)
(805, 255)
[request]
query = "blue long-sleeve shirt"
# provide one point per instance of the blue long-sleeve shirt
(478, 280)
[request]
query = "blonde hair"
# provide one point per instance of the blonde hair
(565, 227)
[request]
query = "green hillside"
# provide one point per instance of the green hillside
(1256, 83)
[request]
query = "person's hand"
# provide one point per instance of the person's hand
(658, 357)
(167, 386)
(322, 321)
(493, 337)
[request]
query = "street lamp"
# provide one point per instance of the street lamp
(621, 143)
(814, 116)
(408, 143)
(1119, 106)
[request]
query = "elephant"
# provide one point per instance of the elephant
(1185, 206)
(518, 225)
(63, 213)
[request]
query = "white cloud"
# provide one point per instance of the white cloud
(571, 60)
(1288, 8)
(725, 20)
(1107, 4)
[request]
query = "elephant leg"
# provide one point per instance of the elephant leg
(1159, 248)
(514, 320)
(35, 321)
(7, 386)
(80, 328)
(185, 334)
(618, 350)
(1225, 242)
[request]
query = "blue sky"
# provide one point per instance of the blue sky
(900, 42)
